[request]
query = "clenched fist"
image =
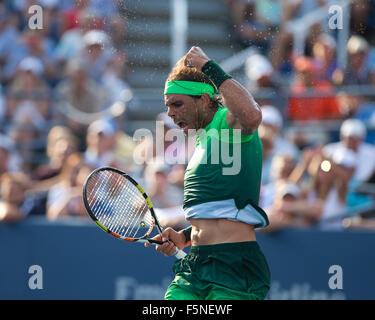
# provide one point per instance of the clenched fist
(196, 58)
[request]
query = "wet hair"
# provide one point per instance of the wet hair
(182, 73)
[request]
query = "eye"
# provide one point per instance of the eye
(177, 104)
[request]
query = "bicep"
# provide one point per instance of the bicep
(235, 123)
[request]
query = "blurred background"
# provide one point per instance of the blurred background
(79, 78)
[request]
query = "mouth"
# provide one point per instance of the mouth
(182, 125)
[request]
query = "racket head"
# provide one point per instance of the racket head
(118, 204)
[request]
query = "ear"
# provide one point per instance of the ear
(205, 98)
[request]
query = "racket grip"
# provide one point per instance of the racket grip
(180, 254)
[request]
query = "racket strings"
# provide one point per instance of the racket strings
(122, 224)
(126, 223)
(118, 204)
(103, 204)
(112, 220)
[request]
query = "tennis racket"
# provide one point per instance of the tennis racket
(119, 206)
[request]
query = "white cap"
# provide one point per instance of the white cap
(357, 44)
(258, 66)
(32, 64)
(95, 37)
(353, 128)
(102, 126)
(271, 116)
(345, 157)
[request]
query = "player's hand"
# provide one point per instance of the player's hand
(171, 239)
(196, 58)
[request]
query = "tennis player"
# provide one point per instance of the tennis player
(225, 261)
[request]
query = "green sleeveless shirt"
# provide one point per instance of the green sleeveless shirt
(223, 177)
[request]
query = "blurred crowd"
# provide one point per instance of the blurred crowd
(63, 102)
(313, 177)
(63, 93)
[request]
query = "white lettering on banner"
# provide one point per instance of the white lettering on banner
(336, 280)
(128, 288)
(302, 291)
(36, 280)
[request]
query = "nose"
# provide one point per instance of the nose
(171, 112)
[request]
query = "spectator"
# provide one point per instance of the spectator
(65, 197)
(352, 135)
(261, 78)
(361, 108)
(289, 209)
(71, 40)
(108, 146)
(354, 105)
(13, 187)
(266, 136)
(327, 183)
(281, 169)
(349, 104)
(80, 93)
(248, 29)
(281, 52)
(101, 140)
(311, 99)
(61, 143)
(113, 81)
(272, 120)
(10, 161)
(361, 66)
(338, 178)
(161, 193)
(165, 197)
(15, 204)
(29, 143)
(30, 43)
(96, 53)
(9, 35)
(27, 98)
(324, 53)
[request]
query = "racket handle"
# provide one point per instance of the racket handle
(180, 254)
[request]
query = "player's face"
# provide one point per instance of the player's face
(186, 112)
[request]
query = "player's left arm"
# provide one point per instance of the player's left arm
(243, 112)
